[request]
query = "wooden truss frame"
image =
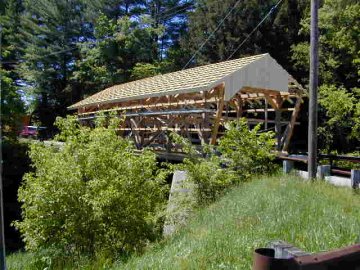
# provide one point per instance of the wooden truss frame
(201, 116)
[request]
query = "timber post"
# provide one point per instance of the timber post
(219, 111)
(278, 129)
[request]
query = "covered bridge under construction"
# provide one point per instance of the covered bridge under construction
(197, 102)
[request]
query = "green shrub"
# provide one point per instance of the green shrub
(92, 196)
(242, 153)
(247, 151)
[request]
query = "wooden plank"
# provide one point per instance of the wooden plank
(135, 129)
(266, 115)
(272, 101)
(218, 115)
(194, 130)
(278, 129)
(291, 125)
(255, 120)
(247, 89)
(262, 96)
(167, 104)
(268, 110)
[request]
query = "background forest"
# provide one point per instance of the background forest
(55, 53)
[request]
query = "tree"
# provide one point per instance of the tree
(51, 31)
(120, 45)
(11, 103)
(172, 16)
(274, 36)
(339, 23)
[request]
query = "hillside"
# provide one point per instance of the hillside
(313, 216)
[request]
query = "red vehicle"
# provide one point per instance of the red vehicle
(29, 131)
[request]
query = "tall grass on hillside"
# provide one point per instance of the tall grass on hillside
(311, 215)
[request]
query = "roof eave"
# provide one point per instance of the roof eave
(188, 90)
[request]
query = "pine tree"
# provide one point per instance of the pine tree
(12, 107)
(274, 36)
(119, 45)
(52, 29)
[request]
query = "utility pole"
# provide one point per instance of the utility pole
(314, 69)
(2, 234)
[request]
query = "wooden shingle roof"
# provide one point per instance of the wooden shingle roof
(184, 81)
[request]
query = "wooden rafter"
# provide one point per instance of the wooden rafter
(247, 89)
(219, 111)
(290, 129)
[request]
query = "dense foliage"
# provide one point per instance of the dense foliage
(242, 153)
(57, 52)
(313, 216)
(12, 107)
(275, 36)
(93, 195)
(339, 96)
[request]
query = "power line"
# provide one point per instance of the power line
(167, 14)
(212, 33)
(253, 31)
(58, 52)
(45, 55)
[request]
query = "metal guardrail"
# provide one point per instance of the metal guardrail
(340, 157)
(341, 171)
(331, 158)
(297, 159)
(284, 256)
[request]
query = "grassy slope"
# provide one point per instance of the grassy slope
(313, 216)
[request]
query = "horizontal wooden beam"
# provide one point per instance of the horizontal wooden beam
(247, 89)
(155, 129)
(254, 120)
(165, 104)
(261, 110)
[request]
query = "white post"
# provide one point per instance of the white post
(323, 170)
(288, 166)
(355, 179)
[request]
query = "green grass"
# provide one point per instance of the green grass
(312, 216)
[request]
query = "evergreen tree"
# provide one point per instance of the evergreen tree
(120, 44)
(12, 107)
(274, 36)
(132, 40)
(52, 28)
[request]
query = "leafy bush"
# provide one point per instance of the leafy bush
(242, 152)
(206, 177)
(92, 196)
(247, 151)
(341, 120)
